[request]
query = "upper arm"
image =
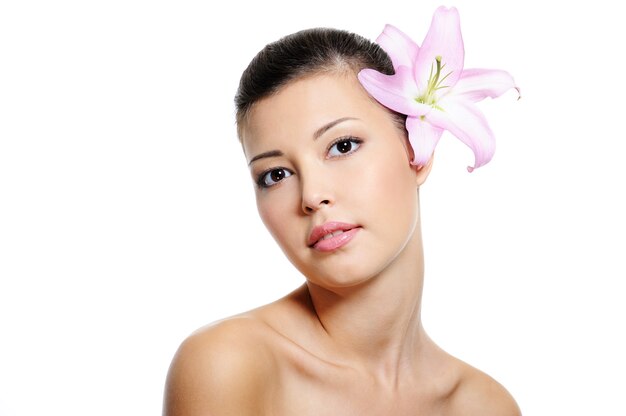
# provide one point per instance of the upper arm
(481, 395)
(218, 371)
(498, 401)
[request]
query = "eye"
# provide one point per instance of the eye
(344, 146)
(272, 177)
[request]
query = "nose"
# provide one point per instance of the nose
(316, 193)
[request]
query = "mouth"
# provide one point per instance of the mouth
(331, 234)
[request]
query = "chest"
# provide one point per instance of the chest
(342, 392)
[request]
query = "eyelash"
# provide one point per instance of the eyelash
(345, 139)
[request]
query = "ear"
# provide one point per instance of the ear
(421, 172)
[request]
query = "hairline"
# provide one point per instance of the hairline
(339, 67)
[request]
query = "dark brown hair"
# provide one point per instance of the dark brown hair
(305, 53)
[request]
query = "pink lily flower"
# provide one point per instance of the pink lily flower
(431, 87)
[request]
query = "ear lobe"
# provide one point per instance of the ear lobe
(421, 172)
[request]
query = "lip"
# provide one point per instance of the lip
(329, 244)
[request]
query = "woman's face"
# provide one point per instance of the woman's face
(327, 159)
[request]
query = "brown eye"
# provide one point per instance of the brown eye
(344, 146)
(277, 175)
(272, 177)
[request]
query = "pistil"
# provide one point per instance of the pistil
(434, 84)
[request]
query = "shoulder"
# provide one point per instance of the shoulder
(222, 368)
(479, 394)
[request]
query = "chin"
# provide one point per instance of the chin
(341, 277)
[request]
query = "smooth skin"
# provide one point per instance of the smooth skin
(350, 340)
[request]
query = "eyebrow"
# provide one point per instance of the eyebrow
(316, 135)
(329, 126)
(271, 153)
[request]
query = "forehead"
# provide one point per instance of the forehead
(298, 109)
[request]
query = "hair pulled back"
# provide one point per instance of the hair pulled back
(305, 53)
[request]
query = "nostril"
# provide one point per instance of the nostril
(310, 207)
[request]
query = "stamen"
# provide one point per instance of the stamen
(434, 83)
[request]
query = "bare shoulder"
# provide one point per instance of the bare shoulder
(219, 369)
(479, 394)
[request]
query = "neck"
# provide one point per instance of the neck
(377, 325)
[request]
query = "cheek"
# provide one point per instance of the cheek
(390, 176)
(269, 215)
(273, 211)
(390, 190)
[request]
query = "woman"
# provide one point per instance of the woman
(337, 185)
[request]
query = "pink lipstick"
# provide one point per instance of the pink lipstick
(332, 235)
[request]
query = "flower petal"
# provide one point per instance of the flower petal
(423, 137)
(443, 39)
(396, 92)
(400, 48)
(463, 119)
(477, 84)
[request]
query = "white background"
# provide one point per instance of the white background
(127, 217)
